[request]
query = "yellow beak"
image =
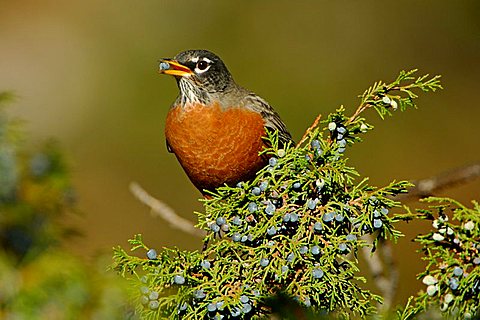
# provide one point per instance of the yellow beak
(173, 68)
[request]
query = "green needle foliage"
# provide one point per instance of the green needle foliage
(452, 253)
(294, 231)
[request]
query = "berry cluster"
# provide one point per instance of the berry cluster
(389, 103)
(293, 230)
(339, 134)
(297, 218)
(149, 298)
(454, 249)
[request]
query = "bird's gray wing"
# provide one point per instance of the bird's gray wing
(271, 117)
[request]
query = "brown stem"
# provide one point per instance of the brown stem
(432, 185)
(163, 211)
(313, 126)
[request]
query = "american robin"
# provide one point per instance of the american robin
(215, 127)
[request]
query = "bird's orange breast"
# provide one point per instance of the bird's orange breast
(215, 145)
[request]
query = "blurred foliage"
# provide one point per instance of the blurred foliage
(39, 278)
(293, 233)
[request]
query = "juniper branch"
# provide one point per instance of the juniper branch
(382, 96)
(452, 253)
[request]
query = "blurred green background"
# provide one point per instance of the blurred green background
(85, 73)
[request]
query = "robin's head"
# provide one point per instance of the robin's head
(198, 73)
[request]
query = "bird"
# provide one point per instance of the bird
(215, 127)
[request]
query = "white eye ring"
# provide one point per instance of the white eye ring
(202, 66)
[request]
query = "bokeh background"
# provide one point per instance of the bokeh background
(85, 73)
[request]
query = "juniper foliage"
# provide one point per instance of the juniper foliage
(294, 231)
(452, 253)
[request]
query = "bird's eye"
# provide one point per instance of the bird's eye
(202, 65)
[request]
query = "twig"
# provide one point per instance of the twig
(428, 187)
(163, 211)
(359, 110)
(305, 135)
